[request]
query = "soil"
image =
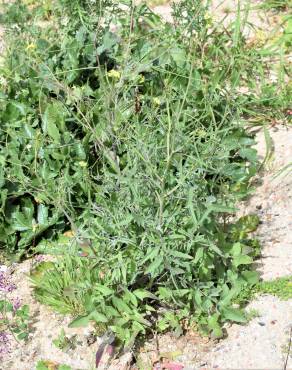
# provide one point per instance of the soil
(261, 344)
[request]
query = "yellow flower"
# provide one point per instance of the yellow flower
(31, 47)
(201, 132)
(82, 164)
(156, 101)
(114, 74)
(38, 200)
(69, 233)
(141, 79)
(208, 18)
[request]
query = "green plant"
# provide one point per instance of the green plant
(63, 342)
(281, 287)
(276, 4)
(15, 319)
(49, 365)
(133, 140)
(157, 2)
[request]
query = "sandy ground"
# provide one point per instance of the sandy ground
(261, 344)
(273, 203)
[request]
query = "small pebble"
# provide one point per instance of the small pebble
(3, 268)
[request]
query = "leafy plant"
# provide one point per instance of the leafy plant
(63, 342)
(49, 365)
(276, 4)
(127, 132)
(14, 319)
(281, 287)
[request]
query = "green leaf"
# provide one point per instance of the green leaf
(142, 294)
(252, 277)
(154, 267)
(21, 222)
(248, 223)
(121, 305)
(80, 321)
(214, 326)
(50, 121)
(108, 42)
(152, 253)
(42, 216)
(129, 297)
(98, 317)
(233, 314)
(41, 365)
(22, 336)
(53, 131)
(242, 260)
(249, 154)
(180, 254)
(178, 55)
(106, 291)
(164, 293)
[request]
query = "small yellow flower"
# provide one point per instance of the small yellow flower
(114, 74)
(38, 200)
(208, 18)
(82, 164)
(69, 233)
(201, 132)
(156, 101)
(31, 47)
(141, 79)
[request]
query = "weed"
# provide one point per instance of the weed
(65, 343)
(157, 2)
(281, 287)
(123, 152)
(14, 319)
(276, 4)
(47, 365)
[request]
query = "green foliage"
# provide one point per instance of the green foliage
(49, 365)
(14, 319)
(281, 287)
(276, 4)
(133, 140)
(65, 343)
